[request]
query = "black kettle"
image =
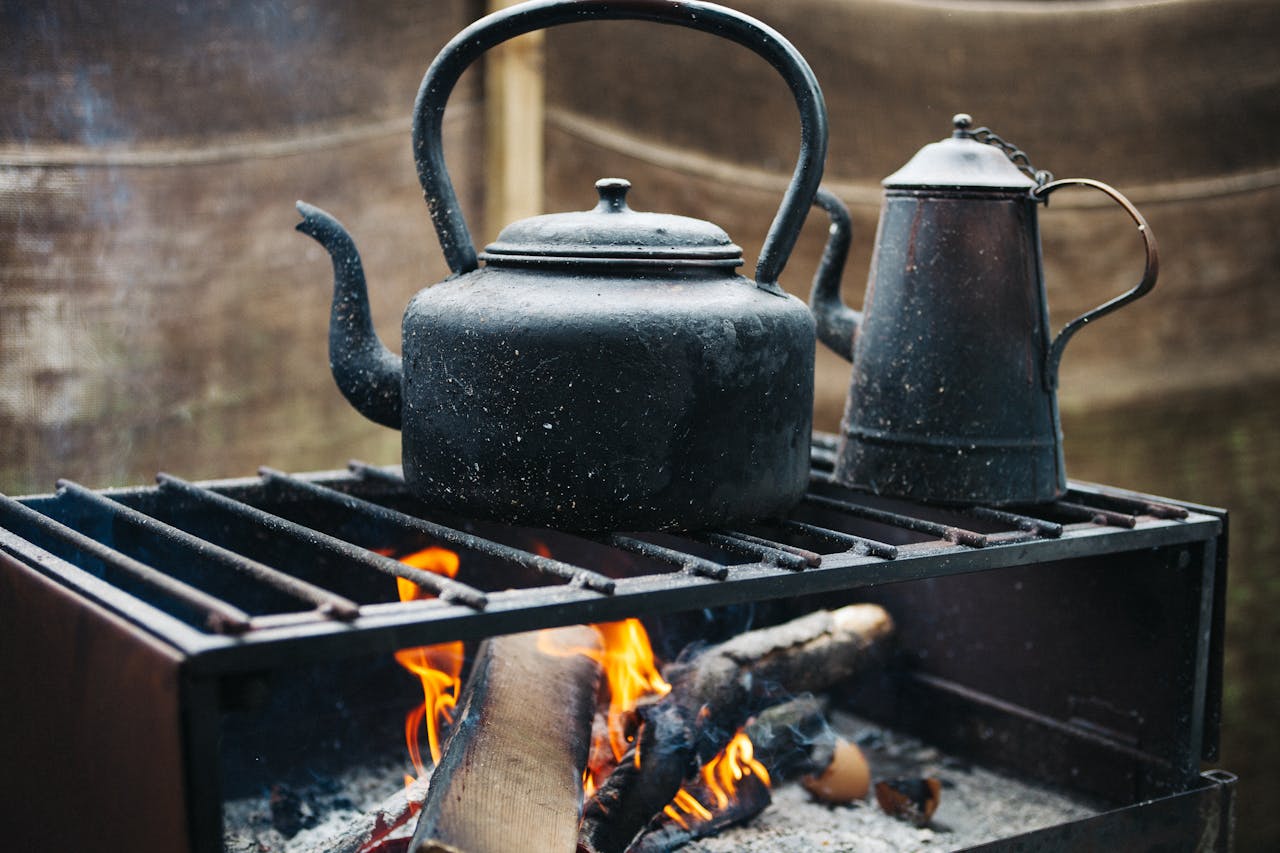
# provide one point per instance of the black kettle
(953, 396)
(601, 370)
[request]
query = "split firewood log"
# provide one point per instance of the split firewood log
(711, 696)
(510, 777)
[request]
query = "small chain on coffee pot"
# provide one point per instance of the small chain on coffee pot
(1015, 154)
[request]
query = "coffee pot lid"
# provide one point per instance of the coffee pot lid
(613, 233)
(960, 162)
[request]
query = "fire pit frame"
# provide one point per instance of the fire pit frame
(179, 677)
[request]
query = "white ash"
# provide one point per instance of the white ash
(328, 807)
(977, 806)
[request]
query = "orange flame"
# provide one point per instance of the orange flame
(632, 675)
(629, 669)
(626, 657)
(720, 777)
(439, 667)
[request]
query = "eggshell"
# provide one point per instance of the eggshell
(848, 777)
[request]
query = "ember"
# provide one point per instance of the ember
(720, 777)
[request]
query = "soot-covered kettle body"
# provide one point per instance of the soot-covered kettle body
(606, 369)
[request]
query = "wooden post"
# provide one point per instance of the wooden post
(514, 106)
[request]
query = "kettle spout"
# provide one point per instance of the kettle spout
(367, 373)
(837, 323)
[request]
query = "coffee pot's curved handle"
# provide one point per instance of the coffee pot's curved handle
(1149, 272)
(464, 48)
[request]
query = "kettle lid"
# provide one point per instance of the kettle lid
(612, 233)
(960, 162)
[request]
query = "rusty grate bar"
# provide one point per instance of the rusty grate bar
(738, 543)
(959, 535)
(856, 544)
(1136, 506)
(220, 616)
(1038, 526)
(813, 558)
(365, 471)
(1095, 515)
(575, 575)
(326, 602)
(744, 565)
(446, 588)
(733, 542)
(690, 563)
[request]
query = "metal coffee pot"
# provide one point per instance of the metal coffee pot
(953, 396)
(604, 369)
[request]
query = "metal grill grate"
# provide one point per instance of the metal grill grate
(290, 566)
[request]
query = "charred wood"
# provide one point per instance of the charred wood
(510, 777)
(793, 739)
(670, 829)
(913, 800)
(290, 813)
(712, 695)
(371, 832)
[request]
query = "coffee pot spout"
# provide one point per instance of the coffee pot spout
(837, 323)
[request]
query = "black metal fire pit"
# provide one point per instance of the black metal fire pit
(164, 631)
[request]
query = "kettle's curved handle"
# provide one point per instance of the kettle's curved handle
(464, 48)
(1149, 272)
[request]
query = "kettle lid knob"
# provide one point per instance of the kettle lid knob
(613, 195)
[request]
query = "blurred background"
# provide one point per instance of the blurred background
(157, 312)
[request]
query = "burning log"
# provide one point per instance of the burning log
(793, 739)
(510, 777)
(786, 741)
(368, 833)
(671, 829)
(712, 695)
